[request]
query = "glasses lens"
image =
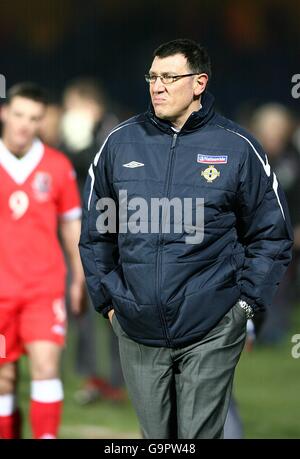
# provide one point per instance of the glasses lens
(167, 79)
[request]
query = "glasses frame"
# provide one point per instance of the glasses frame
(175, 78)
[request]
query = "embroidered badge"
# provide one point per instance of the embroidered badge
(210, 173)
(41, 185)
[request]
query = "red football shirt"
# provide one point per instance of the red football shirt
(36, 191)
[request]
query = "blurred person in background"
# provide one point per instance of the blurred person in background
(38, 196)
(85, 122)
(50, 126)
(273, 125)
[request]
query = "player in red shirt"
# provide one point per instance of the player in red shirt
(38, 197)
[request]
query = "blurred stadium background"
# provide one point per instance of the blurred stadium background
(255, 49)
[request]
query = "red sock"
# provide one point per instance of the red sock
(45, 418)
(45, 407)
(10, 426)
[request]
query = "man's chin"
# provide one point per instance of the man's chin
(162, 115)
(21, 145)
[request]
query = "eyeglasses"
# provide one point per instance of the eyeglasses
(165, 78)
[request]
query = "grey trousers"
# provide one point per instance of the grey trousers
(184, 392)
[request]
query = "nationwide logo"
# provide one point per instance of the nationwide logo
(133, 164)
(209, 159)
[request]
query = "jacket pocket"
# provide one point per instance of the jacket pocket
(115, 284)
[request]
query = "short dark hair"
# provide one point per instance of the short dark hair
(28, 90)
(196, 55)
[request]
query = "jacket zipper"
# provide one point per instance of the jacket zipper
(161, 240)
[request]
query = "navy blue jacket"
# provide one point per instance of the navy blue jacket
(165, 291)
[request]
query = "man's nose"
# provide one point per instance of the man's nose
(158, 86)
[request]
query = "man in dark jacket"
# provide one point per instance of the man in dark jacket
(185, 235)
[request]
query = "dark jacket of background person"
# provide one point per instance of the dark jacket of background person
(166, 292)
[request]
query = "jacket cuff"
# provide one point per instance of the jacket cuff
(101, 300)
(106, 310)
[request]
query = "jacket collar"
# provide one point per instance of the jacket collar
(195, 121)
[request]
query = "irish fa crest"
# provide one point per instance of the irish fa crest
(210, 173)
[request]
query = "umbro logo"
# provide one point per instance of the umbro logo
(133, 164)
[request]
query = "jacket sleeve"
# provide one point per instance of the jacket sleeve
(264, 229)
(98, 250)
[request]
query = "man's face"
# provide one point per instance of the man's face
(21, 121)
(76, 103)
(178, 99)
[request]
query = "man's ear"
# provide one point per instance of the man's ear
(200, 84)
(3, 112)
